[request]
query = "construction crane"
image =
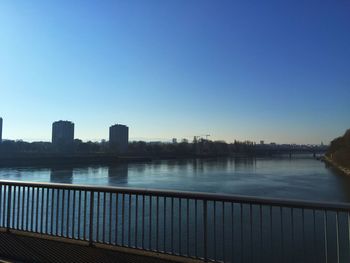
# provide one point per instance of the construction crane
(197, 137)
(206, 136)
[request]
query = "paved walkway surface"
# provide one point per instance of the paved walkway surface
(17, 248)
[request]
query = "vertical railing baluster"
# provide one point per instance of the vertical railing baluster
(292, 227)
(47, 210)
(337, 234)
(98, 218)
(223, 233)
(172, 225)
(232, 231)
(282, 234)
(116, 217)
(251, 232)
(303, 233)
(9, 187)
(110, 218)
(188, 226)
(150, 223)
(314, 236)
(32, 209)
(7, 206)
(104, 218)
(57, 209)
(123, 217)
(205, 228)
(143, 222)
(68, 212)
(271, 234)
(91, 228)
(325, 235)
(18, 204)
(73, 215)
(214, 230)
(348, 219)
(37, 210)
(242, 237)
(136, 220)
(62, 210)
(129, 221)
(79, 213)
(196, 228)
(22, 219)
(180, 230)
(52, 209)
(27, 210)
(157, 223)
(164, 225)
(42, 210)
(85, 214)
(2, 209)
(4, 206)
(13, 206)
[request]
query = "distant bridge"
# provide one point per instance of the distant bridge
(290, 151)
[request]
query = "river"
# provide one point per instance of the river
(299, 177)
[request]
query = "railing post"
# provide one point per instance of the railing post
(8, 209)
(91, 241)
(205, 229)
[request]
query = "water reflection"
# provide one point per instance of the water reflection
(118, 174)
(61, 175)
(198, 166)
(244, 163)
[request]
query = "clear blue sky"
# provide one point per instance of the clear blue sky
(271, 70)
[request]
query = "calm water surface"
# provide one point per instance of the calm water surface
(300, 177)
(234, 230)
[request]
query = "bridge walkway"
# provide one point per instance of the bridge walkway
(25, 248)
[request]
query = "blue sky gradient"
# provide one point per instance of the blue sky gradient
(256, 70)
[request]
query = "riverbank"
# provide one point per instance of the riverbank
(335, 165)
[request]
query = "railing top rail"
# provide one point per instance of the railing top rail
(291, 203)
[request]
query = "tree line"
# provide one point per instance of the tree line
(142, 148)
(339, 150)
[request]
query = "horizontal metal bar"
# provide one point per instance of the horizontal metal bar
(192, 195)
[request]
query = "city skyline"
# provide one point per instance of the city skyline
(119, 133)
(246, 71)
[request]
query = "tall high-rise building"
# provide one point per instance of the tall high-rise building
(63, 134)
(0, 129)
(119, 138)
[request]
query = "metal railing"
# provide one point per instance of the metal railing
(198, 225)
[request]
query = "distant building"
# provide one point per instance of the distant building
(119, 138)
(174, 141)
(63, 134)
(0, 130)
(262, 142)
